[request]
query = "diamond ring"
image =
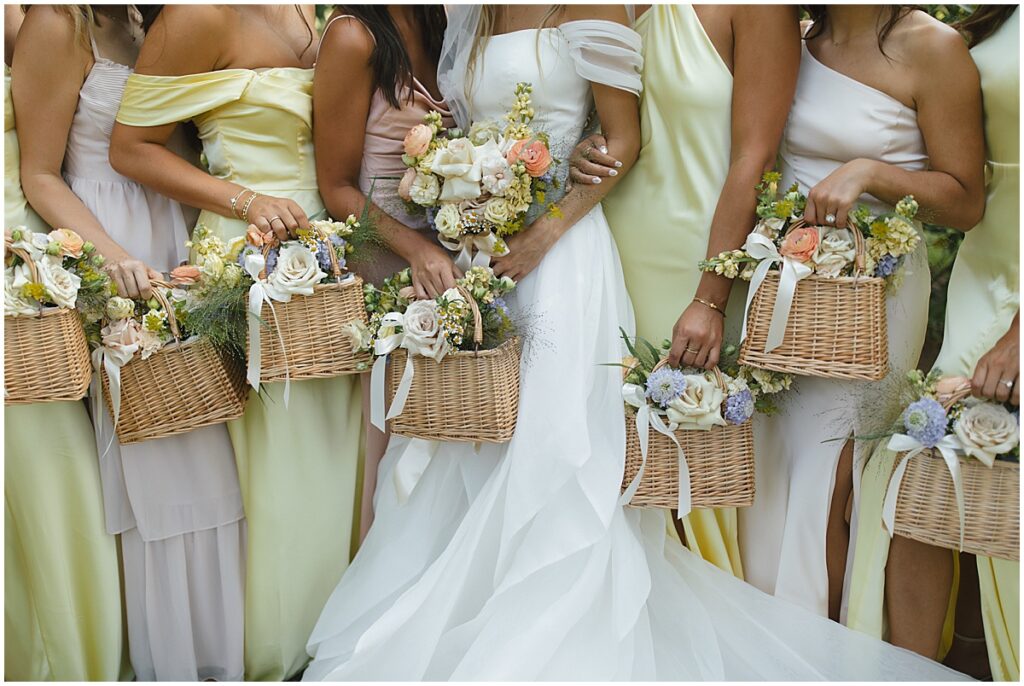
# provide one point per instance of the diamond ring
(830, 219)
(1007, 382)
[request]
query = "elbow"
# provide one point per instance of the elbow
(120, 158)
(971, 212)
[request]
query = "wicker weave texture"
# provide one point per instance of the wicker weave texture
(180, 388)
(837, 329)
(721, 462)
(469, 396)
(926, 508)
(313, 330)
(46, 358)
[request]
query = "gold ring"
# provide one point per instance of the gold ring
(691, 350)
(277, 218)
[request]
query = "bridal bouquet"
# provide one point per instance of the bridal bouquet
(476, 189)
(702, 452)
(470, 340)
(971, 461)
(53, 284)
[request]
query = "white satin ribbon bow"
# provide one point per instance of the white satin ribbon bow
(763, 248)
(645, 419)
(382, 348)
(258, 294)
(112, 362)
(475, 250)
(948, 448)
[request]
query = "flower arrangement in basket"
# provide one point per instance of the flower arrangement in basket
(46, 277)
(702, 451)
(477, 189)
(455, 369)
(956, 483)
(816, 304)
(161, 375)
(309, 335)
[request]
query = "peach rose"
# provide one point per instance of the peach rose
(407, 293)
(948, 385)
(70, 242)
(254, 236)
(418, 140)
(800, 244)
(405, 185)
(533, 154)
(185, 275)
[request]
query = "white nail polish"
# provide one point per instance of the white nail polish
(618, 164)
(597, 179)
(612, 172)
(604, 150)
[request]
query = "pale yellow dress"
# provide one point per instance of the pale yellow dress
(983, 298)
(297, 465)
(62, 592)
(660, 213)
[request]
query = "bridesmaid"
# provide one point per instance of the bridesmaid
(887, 105)
(243, 75)
(907, 582)
(175, 501)
(376, 76)
(62, 598)
(718, 82)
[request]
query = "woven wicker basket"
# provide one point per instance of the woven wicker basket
(471, 396)
(312, 329)
(721, 462)
(46, 356)
(183, 386)
(926, 508)
(837, 327)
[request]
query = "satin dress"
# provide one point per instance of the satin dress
(983, 297)
(660, 213)
(297, 465)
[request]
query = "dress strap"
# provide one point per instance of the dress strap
(343, 16)
(605, 52)
(95, 48)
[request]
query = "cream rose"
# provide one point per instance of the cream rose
(448, 221)
(60, 284)
(986, 431)
(699, 405)
(121, 339)
(14, 304)
(835, 251)
(120, 308)
(770, 227)
(296, 273)
(35, 244)
(358, 335)
(425, 189)
(456, 164)
(482, 131)
(212, 267)
(421, 328)
(498, 210)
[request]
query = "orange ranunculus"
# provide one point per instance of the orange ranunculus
(800, 244)
(417, 141)
(534, 155)
(70, 242)
(185, 275)
(254, 236)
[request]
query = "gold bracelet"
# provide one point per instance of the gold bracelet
(712, 305)
(245, 208)
(234, 201)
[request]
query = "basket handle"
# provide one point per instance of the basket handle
(172, 323)
(956, 396)
(719, 378)
(25, 257)
(859, 245)
(322, 235)
(478, 322)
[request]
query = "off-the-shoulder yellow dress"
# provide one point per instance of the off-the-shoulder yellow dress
(297, 465)
(982, 301)
(62, 592)
(660, 213)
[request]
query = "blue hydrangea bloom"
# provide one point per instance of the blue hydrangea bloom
(499, 304)
(739, 407)
(272, 260)
(925, 421)
(323, 256)
(886, 266)
(665, 385)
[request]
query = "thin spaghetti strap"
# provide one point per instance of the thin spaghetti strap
(343, 16)
(95, 49)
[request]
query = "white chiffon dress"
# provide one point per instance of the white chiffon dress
(834, 119)
(518, 562)
(175, 501)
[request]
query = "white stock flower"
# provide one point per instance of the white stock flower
(448, 221)
(835, 251)
(699, 405)
(296, 273)
(986, 431)
(425, 189)
(61, 285)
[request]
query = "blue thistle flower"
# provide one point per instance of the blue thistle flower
(500, 306)
(925, 421)
(886, 265)
(739, 407)
(272, 260)
(665, 385)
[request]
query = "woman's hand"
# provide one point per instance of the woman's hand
(997, 375)
(132, 277)
(281, 216)
(590, 161)
(830, 201)
(526, 250)
(697, 337)
(433, 271)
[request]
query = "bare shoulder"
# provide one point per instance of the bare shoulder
(926, 43)
(48, 36)
(347, 39)
(186, 39)
(613, 13)
(766, 16)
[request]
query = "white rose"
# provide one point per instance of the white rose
(421, 328)
(770, 227)
(987, 430)
(211, 266)
(456, 164)
(60, 284)
(835, 251)
(498, 210)
(121, 339)
(482, 131)
(358, 335)
(120, 308)
(448, 221)
(296, 273)
(425, 189)
(14, 304)
(700, 404)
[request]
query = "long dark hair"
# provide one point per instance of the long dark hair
(819, 16)
(983, 22)
(392, 69)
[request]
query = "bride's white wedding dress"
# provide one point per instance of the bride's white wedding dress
(517, 561)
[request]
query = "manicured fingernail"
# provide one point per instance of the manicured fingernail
(612, 172)
(597, 179)
(618, 164)
(604, 150)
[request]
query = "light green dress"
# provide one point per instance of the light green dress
(982, 300)
(62, 593)
(297, 465)
(660, 213)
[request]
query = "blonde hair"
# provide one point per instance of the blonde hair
(83, 17)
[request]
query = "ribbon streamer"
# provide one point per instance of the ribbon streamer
(763, 248)
(382, 349)
(258, 295)
(112, 365)
(948, 448)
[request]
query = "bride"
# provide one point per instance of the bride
(518, 562)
